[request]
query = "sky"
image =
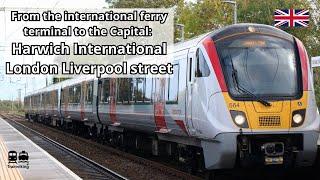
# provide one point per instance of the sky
(10, 85)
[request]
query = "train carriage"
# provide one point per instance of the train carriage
(52, 104)
(238, 96)
(78, 102)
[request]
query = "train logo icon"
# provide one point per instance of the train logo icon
(23, 156)
(13, 156)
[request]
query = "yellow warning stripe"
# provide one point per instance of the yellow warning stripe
(5, 172)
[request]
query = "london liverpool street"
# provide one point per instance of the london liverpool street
(87, 69)
(64, 69)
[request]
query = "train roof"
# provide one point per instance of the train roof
(190, 43)
(249, 27)
(62, 84)
(77, 80)
(232, 29)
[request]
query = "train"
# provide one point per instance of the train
(239, 96)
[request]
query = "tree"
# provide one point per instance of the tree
(143, 3)
(203, 16)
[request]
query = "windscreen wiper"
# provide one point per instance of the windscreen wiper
(244, 90)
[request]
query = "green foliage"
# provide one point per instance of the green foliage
(203, 16)
(6, 105)
(143, 3)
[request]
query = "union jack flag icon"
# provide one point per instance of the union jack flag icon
(291, 18)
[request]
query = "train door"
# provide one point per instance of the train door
(190, 92)
(159, 104)
(95, 99)
(82, 102)
(59, 95)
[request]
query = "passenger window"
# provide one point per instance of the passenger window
(66, 97)
(55, 98)
(43, 100)
(202, 69)
(173, 86)
(47, 100)
(71, 94)
(148, 90)
(63, 99)
(125, 90)
(89, 93)
(105, 91)
(139, 89)
(76, 94)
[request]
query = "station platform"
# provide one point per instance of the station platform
(15, 147)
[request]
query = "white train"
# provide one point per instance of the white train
(239, 96)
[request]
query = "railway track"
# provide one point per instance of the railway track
(168, 173)
(131, 166)
(79, 164)
(151, 167)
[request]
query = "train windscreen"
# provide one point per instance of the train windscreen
(266, 66)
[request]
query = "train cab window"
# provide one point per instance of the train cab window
(105, 91)
(89, 92)
(173, 86)
(264, 65)
(202, 69)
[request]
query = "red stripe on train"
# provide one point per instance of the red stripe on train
(159, 116)
(180, 123)
(304, 63)
(214, 59)
(159, 104)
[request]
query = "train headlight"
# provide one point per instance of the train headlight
(298, 117)
(239, 118)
